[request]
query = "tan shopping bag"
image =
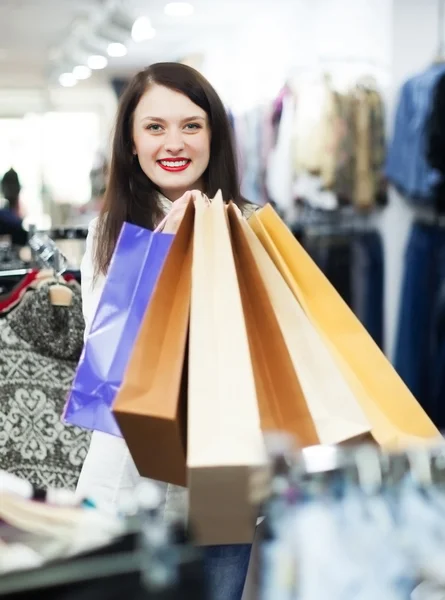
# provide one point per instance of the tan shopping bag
(150, 407)
(334, 409)
(396, 417)
(281, 401)
(225, 442)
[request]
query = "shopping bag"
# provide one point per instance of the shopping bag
(150, 407)
(225, 443)
(281, 400)
(396, 417)
(134, 269)
(335, 411)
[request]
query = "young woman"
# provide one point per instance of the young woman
(172, 136)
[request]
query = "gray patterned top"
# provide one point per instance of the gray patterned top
(40, 346)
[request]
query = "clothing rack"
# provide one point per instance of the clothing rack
(341, 221)
(431, 217)
(69, 233)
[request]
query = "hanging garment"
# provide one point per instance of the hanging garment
(406, 165)
(363, 184)
(378, 147)
(435, 129)
(354, 265)
(280, 168)
(346, 150)
(333, 255)
(435, 142)
(252, 167)
(315, 126)
(368, 283)
(419, 346)
(40, 345)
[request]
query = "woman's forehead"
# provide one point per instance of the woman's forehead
(163, 103)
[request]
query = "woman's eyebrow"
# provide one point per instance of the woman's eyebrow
(183, 120)
(148, 118)
(197, 118)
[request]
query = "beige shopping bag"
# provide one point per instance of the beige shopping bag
(281, 400)
(225, 442)
(396, 417)
(334, 409)
(150, 407)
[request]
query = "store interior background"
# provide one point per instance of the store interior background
(247, 48)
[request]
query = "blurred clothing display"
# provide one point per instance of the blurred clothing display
(317, 145)
(416, 167)
(414, 162)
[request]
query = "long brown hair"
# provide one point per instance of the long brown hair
(131, 196)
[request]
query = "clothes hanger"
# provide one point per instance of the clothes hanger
(50, 256)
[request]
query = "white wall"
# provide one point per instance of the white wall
(259, 56)
(414, 45)
(99, 99)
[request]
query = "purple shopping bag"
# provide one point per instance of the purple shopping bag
(134, 269)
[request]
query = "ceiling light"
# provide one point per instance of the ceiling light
(97, 61)
(67, 80)
(142, 30)
(179, 9)
(116, 49)
(82, 72)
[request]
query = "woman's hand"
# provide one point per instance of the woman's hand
(176, 214)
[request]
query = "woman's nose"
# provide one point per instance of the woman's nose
(174, 142)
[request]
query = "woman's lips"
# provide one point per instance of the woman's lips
(174, 166)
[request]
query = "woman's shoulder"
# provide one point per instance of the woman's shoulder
(92, 227)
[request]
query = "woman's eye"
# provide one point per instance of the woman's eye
(192, 126)
(154, 127)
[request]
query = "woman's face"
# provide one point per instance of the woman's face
(171, 137)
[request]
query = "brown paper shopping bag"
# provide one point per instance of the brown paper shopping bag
(335, 412)
(150, 407)
(396, 417)
(281, 400)
(224, 442)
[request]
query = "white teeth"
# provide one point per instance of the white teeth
(176, 163)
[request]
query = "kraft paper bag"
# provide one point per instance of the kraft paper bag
(225, 443)
(335, 412)
(281, 400)
(396, 417)
(150, 407)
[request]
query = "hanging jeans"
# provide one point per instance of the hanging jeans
(368, 283)
(420, 346)
(354, 265)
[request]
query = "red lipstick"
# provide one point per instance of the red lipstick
(174, 165)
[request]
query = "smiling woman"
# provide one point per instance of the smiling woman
(171, 138)
(172, 135)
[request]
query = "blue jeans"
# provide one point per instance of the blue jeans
(226, 570)
(420, 352)
(368, 283)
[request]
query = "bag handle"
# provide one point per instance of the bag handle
(161, 225)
